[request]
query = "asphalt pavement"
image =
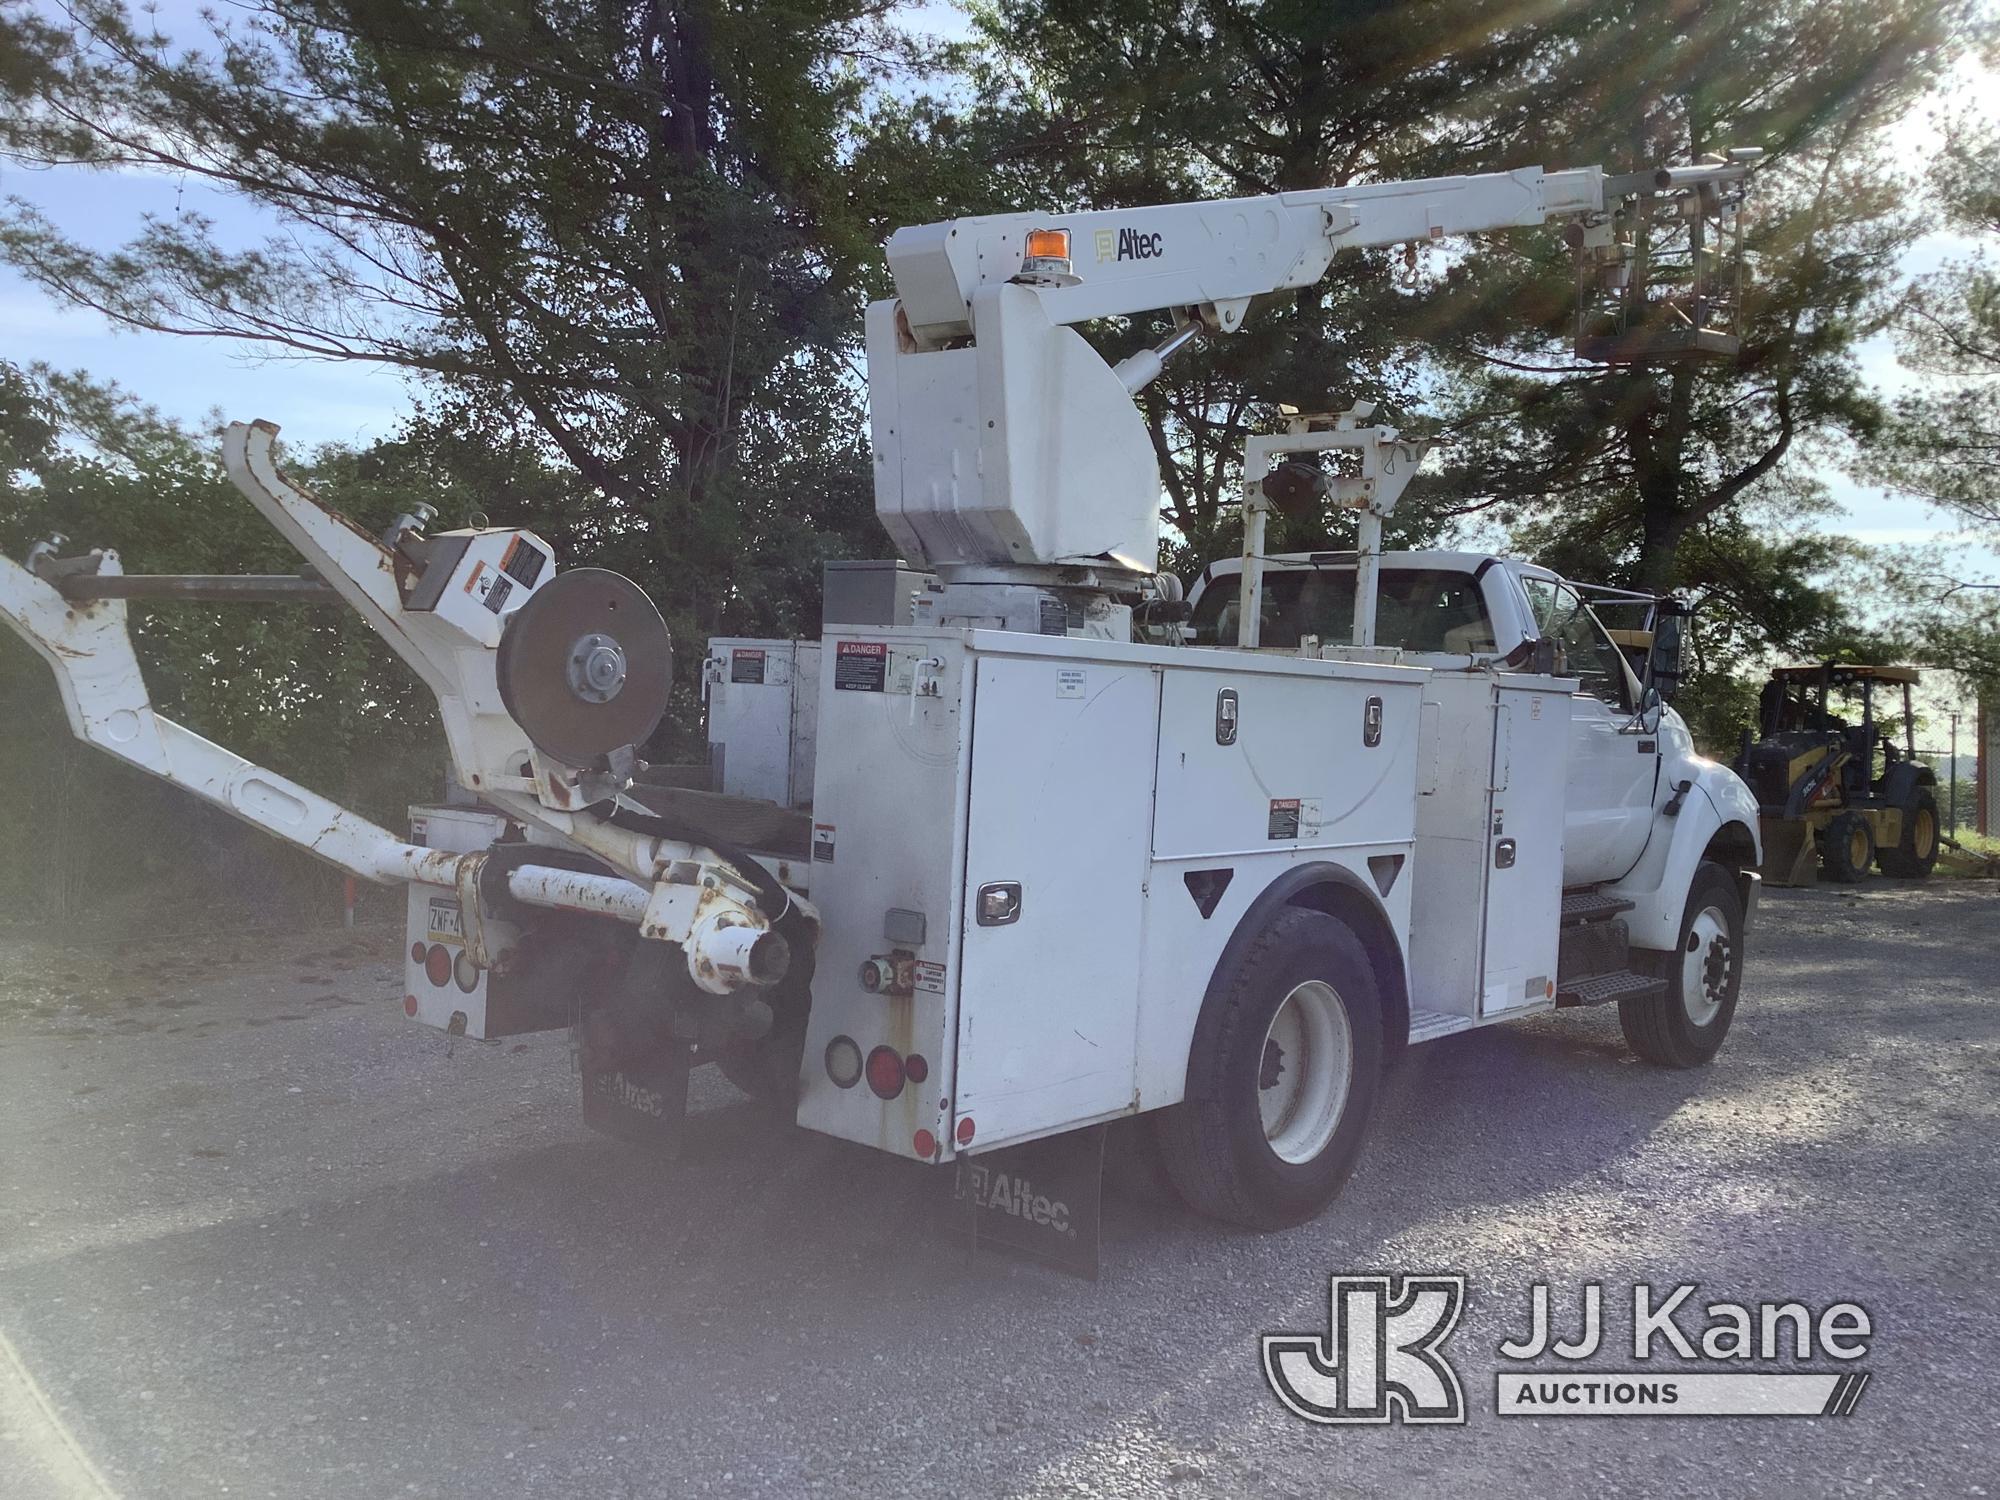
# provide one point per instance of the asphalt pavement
(259, 1235)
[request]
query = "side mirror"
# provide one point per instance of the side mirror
(1666, 662)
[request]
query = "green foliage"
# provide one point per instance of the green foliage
(302, 687)
(1945, 441)
(626, 235)
(1662, 466)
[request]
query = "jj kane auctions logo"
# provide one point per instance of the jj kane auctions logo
(1381, 1358)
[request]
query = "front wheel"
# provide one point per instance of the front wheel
(1683, 1026)
(1847, 849)
(1282, 1078)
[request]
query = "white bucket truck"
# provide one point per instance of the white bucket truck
(1051, 876)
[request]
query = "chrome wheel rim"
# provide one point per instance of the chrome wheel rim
(1305, 1072)
(1706, 959)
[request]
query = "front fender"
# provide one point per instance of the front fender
(1717, 805)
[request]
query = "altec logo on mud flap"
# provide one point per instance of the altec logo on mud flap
(1381, 1358)
(623, 1092)
(1011, 1193)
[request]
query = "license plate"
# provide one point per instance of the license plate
(445, 923)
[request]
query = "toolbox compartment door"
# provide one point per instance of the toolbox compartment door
(1524, 853)
(1061, 804)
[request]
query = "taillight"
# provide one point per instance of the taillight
(417, 952)
(843, 1062)
(924, 1144)
(885, 1072)
(437, 965)
(915, 1068)
(965, 1130)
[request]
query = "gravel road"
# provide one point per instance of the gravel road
(259, 1235)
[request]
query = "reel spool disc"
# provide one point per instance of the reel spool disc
(585, 665)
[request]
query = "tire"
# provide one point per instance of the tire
(1917, 852)
(767, 1069)
(1847, 849)
(1684, 1026)
(1250, 1145)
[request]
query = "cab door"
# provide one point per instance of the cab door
(1614, 768)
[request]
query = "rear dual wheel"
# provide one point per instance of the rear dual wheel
(1282, 1078)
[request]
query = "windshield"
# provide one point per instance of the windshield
(1418, 609)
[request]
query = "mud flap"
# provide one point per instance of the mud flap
(634, 1069)
(1043, 1200)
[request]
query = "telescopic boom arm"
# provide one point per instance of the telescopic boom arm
(1007, 448)
(1208, 258)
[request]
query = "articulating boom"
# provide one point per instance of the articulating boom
(545, 682)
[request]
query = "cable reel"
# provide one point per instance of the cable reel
(585, 666)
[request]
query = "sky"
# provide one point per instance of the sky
(314, 401)
(196, 379)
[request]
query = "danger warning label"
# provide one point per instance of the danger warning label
(861, 666)
(1284, 818)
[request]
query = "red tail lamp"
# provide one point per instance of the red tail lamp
(964, 1131)
(915, 1068)
(924, 1144)
(885, 1072)
(437, 965)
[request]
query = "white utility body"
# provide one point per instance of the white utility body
(763, 717)
(976, 765)
(994, 863)
(1453, 611)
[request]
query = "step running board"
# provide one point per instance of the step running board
(1429, 1025)
(1607, 987)
(1590, 905)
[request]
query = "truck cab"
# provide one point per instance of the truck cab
(1435, 607)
